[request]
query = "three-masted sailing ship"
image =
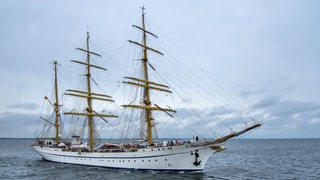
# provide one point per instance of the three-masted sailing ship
(145, 154)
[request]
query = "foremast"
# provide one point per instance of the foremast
(89, 95)
(55, 105)
(145, 83)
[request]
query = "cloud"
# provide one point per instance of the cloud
(273, 55)
(18, 125)
(220, 111)
(283, 118)
(208, 123)
(276, 86)
(247, 93)
(288, 117)
(266, 102)
(24, 106)
(278, 107)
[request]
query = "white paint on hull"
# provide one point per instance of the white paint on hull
(175, 158)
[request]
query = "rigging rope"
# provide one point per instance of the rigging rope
(231, 100)
(186, 103)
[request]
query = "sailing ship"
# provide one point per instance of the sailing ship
(144, 154)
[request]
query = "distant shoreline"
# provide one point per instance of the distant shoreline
(10, 138)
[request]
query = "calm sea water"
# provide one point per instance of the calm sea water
(243, 159)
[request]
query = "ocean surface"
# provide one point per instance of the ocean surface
(243, 159)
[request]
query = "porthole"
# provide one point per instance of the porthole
(165, 159)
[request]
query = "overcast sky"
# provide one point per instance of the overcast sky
(265, 54)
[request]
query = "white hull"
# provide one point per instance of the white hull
(175, 158)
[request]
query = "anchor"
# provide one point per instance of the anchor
(196, 163)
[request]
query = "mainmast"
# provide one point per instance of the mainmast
(146, 78)
(145, 83)
(89, 99)
(89, 95)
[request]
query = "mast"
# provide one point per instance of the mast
(145, 83)
(56, 104)
(89, 95)
(89, 109)
(146, 78)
